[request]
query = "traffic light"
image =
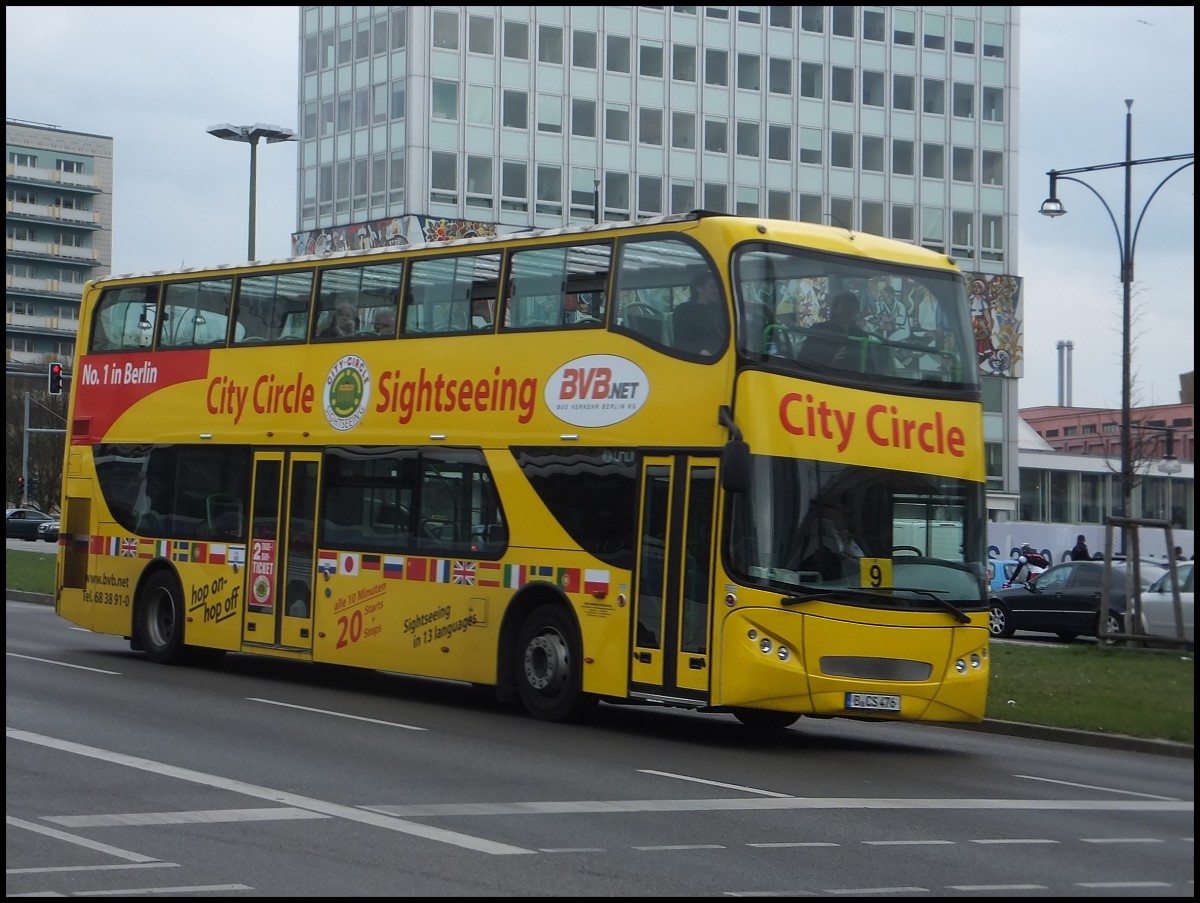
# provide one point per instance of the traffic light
(55, 376)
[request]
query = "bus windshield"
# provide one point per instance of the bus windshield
(802, 523)
(810, 310)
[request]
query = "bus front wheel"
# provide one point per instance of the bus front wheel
(160, 619)
(549, 667)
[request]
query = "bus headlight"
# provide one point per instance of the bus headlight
(973, 662)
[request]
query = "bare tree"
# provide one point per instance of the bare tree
(43, 469)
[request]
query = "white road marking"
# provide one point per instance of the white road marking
(349, 813)
(79, 841)
(684, 777)
(877, 891)
(197, 817)
(997, 888)
(577, 807)
(1013, 840)
(173, 891)
(305, 708)
(88, 868)
(572, 850)
(1120, 840)
(50, 661)
(1149, 796)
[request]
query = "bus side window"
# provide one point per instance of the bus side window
(483, 311)
(535, 302)
(582, 307)
(646, 319)
(224, 515)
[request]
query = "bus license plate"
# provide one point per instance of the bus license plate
(872, 702)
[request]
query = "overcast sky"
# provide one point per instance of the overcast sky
(155, 78)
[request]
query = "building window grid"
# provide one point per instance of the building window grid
(515, 41)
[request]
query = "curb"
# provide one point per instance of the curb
(1084, 738)
(17, 595)
(987, 726)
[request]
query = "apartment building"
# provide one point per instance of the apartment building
(58, 235)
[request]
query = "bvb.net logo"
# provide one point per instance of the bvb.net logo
(347, 389)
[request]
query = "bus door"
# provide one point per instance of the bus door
(280, 557)
(672, 617)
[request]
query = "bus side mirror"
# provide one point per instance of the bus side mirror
(735, 466)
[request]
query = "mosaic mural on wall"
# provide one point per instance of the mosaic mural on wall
(997, 323)
(394, 231)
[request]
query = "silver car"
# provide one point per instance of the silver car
(1158, 604)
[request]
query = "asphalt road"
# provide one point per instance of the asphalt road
(272, 778)
(995, 726)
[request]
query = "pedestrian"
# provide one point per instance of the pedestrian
(1080, 551)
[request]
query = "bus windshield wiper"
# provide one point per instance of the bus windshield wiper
(812, 593)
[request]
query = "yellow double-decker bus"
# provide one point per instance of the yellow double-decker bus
(721, 463)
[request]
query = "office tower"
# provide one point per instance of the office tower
(426, 123)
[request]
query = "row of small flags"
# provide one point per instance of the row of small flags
(173, 549)
(471, 573)
(394, 567)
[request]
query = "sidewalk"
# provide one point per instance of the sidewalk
(988, 726)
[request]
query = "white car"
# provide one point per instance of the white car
(1158, 604)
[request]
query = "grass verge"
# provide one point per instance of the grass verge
(30, 572)
(1135, 692)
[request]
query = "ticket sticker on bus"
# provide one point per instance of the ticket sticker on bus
(872, 702)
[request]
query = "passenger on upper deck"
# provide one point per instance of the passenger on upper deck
(832, 342)
(344, 322)
(699, 324)
(385, 323)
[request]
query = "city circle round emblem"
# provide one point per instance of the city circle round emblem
(347, 390)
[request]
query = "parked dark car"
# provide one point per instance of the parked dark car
(1065, 600)
(49, 530)
(22, 523)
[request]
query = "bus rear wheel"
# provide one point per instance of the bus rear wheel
(765, 720)
(549, 666)
(160, 619)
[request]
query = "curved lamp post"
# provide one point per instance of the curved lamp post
(252, 134)
(1126, 244)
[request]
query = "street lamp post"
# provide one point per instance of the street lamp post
(1126, 244)
(252, 134)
